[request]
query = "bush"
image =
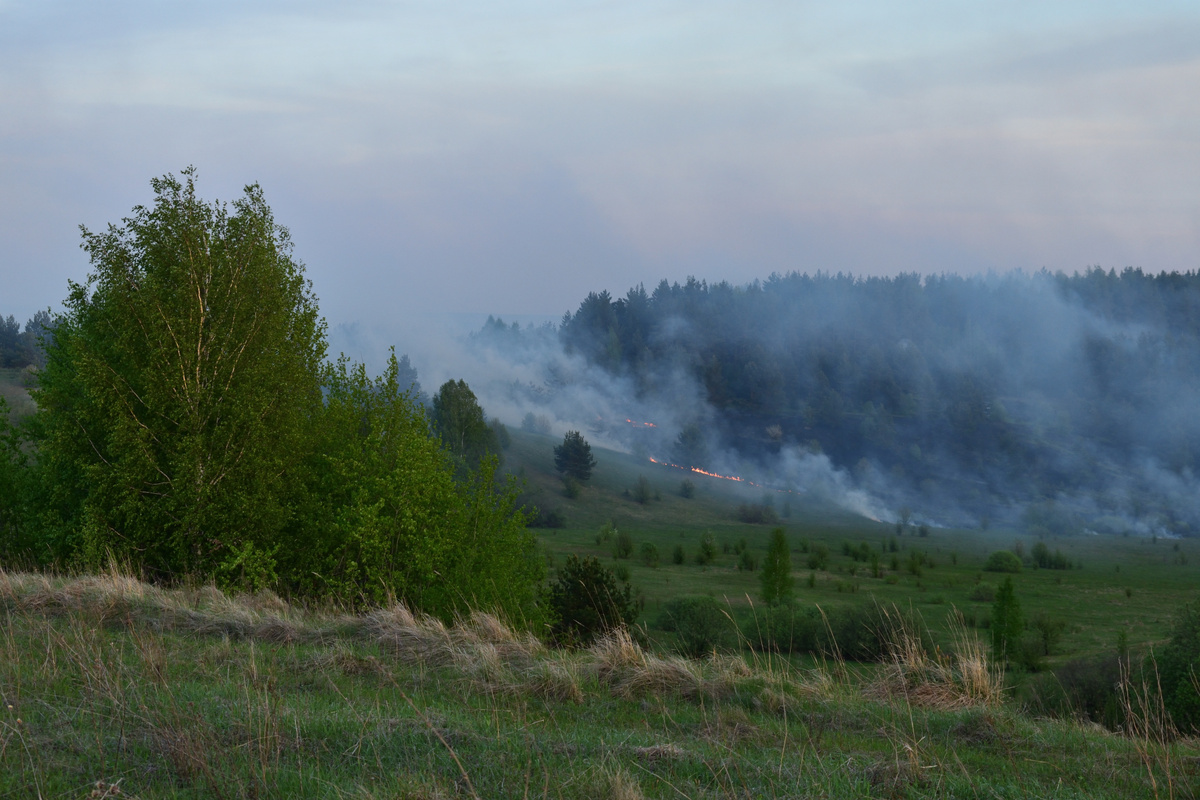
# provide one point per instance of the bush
(1003, 561)
(818, 556)
(571, 487)
(641, 492)
(624, 545)
(586, 600)
(678, 556)
(983, 593)
(707, 553)
(687, 489)
(757, 514)
(747, 562)
(1179, 670)
(700, 623)
(649, 554)
(541, 518)
(1043, 558)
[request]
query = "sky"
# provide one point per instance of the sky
(507, 157)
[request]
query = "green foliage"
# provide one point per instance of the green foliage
(707, 553)
(574, 457)
(387, 517)
(700, 623)
(818, 557)
(757, 514)
(460, 423)
(747, 562)
(642, 493)
(623, 548)
(1044, 559)
(500, 434)
(586, 600)
(14, 475)
(649, 554)
(179, 390)
(1179, 670)
(678, 555)
(1007, 622)
(1003, 561)
(983, 593)
(687, 489)
(776, 576)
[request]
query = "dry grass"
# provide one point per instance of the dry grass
(963, 678)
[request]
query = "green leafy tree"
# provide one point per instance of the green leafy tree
(776, 576)
(460, 422)
(385, 518)
(1007, 622)
(574, 457)
(179, 387)
(13, 480)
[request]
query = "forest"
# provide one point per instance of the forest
(1060, 402)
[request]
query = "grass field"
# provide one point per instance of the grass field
(113, 688)
(1130, 585)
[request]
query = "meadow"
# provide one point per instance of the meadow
(112, 687)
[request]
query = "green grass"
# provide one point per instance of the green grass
(187, 694)
(1131, 585)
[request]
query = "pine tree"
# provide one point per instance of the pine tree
(573, 457)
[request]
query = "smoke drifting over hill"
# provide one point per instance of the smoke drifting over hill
(1060, 403)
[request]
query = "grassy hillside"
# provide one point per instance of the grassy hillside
(112, 688)
(1117, 586)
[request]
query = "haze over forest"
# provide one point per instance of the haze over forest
(1059, 403)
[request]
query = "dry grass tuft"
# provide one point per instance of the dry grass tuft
(414, 639)
(620, 785)
(658, 752)
(961, 679)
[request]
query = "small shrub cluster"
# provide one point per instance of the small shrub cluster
(707, 553)
(1044, 559)
(700, 624)
(1003, 561)
(757, 514)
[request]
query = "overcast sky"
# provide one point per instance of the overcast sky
(508, 157)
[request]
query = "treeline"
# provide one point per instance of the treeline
(980, 394)
(190, 426)
(22, 348)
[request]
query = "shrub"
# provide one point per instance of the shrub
(1179, 670)
(586, 601)
(983, 593)
(678, 556)
(641, 492)
(687, 489)
(541, 518)
(776, 576)
(571, 487)
(649, 554)
(624, 545)
(818, 556)
(708, 550)
(757, 514)
(747, 562)
(1003, 561)
(700, 623)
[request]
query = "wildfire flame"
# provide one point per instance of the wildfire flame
(699, 471)
(647, 424)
